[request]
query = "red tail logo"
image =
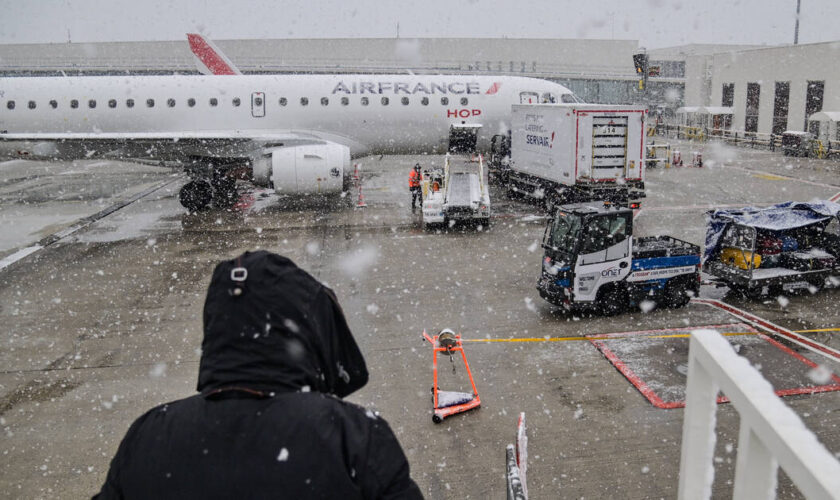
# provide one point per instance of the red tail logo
(211, 61)
(493, 88)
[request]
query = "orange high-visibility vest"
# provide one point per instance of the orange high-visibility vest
(414, 179)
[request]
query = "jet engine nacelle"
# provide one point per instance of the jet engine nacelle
(307, 169)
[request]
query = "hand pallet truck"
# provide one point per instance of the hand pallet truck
(448, 403)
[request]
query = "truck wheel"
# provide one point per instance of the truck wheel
(677, 294)
(612, 300)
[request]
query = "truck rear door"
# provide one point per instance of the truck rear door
(609, 146)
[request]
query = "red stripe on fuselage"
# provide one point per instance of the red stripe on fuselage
(214, 62)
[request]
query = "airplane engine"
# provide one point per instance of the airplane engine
(307, 169)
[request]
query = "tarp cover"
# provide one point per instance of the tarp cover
(788, 215)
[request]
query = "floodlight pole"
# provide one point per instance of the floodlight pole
(796, 30)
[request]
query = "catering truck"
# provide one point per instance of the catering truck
(571, 153)
(592, 261)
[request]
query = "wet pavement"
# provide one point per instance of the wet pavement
(105, 323)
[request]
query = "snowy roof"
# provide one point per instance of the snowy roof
(826, 116)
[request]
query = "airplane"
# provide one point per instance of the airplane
(296, 133)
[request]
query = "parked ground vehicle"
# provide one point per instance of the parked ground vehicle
(459, 193)
(795, 143)
(569, 153)
(592, 260)
(782, 248)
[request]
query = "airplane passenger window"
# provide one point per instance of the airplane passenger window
(385, 101)
(129, 103)
(31, 104)
(150, 103)
(236, 102)
(74, 104)
(258, 101)
(424, 101)
(92, 103)
(464, 101)
(53, 104)
(214, 101)
(304, 101)
(404, 100)
(170, 102)
(345, 101)
(191, 102)
(112, 103)
(444, 101)
(283, 101)
(10, 104)
(364, 101)
(324, 101)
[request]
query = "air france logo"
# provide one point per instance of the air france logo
(411, 88)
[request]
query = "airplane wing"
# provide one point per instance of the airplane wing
(164, 146)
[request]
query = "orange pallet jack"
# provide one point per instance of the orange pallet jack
(447, 403)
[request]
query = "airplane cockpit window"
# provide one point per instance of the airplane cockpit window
(549, 98)
(529, 98)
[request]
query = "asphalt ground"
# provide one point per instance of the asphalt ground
(105, 323)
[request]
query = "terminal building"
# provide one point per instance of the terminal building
(754, 89)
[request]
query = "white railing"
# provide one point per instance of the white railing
(771, 434)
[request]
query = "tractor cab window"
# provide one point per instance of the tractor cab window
(604, 232)
(562, 234)
(529, 98)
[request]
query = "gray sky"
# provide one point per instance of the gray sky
(656, 23)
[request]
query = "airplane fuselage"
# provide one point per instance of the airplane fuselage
(368, 113)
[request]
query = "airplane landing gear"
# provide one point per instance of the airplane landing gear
(196, 195)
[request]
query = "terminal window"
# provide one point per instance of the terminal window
(753, 100)
(813, 99)
(781, 99)
(728, 95)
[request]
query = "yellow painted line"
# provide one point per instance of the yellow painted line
(609, 337)
(770, 177)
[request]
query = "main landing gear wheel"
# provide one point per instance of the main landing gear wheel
(196, 195)
(224, 192)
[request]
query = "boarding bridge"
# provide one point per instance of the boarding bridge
(771, 435)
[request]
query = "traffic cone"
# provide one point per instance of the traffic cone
(356, 171)
(361, 203)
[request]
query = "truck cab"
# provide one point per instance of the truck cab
(592, 260)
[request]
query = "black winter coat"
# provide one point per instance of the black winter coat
(268, 423)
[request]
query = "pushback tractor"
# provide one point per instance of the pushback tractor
(592, 261)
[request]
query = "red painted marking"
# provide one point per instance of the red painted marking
(636, 212)
(656, 401)
(835, 197)
(493, 88)
(772, 328)
(577, 129)
(749, 328)
(551, 143)
(205, 53)
(245, 202)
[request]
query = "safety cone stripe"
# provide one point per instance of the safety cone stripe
(772, 328)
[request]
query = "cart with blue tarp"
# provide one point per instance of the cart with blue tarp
(782, 248)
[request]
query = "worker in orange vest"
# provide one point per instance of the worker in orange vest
(414, 180)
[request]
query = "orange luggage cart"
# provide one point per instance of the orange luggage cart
(447, 403)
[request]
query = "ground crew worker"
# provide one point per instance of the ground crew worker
(414, 180)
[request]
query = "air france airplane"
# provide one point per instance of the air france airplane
(296, 133)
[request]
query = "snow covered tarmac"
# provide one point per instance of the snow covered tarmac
(106, 323)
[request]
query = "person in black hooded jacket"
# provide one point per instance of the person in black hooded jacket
(268, 421)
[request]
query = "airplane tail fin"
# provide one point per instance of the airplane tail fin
(208, 58)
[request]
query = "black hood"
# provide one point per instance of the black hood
(282, 330)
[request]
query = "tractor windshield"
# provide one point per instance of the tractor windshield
(562, 235)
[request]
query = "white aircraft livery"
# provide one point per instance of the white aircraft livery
(296, 133)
